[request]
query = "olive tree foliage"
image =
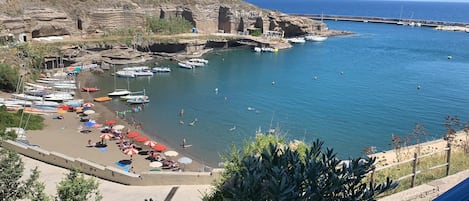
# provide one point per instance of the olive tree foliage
(75, 187)
(279, 172)
(12, 187)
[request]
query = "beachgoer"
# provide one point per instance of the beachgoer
(89, 142)
(183, 142)
(131, 170)
(181, 112)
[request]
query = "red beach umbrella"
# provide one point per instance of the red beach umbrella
(110, 122)
(133, 134)
(106, 136)
(130, 151)
(159, 147)
(141, 139)
(150, 143)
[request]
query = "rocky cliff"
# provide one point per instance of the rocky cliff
(40, 18)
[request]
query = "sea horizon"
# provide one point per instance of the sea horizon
(351, 91)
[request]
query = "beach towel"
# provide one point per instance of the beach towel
(102, 149)
(121, 164)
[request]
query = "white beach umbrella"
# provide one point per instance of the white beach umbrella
(156, 164)
(118, 127)
(150, 143)
(88, 112)
(185, 160)
(171, 153)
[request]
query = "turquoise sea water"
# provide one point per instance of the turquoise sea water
(375, 96)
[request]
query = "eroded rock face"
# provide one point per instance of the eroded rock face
(235, 17)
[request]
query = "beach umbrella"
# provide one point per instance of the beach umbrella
(118, 127)
(110, 122)
(150, 143)
(141, 139)
(156, 164)
(106, 136)
(88, 105)
(185, 160)
(88, 112)
(171, 153)
(132, 134)
(159, 147)
(130, 151)
(89, 123)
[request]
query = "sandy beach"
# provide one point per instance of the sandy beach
(63, 136)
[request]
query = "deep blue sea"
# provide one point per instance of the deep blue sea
(365, 91)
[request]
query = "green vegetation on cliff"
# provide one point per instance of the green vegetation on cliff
(9, 76)
(168, 26)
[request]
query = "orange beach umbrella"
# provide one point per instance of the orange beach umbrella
(133, 134)
(159, 147)
(110, 122)
(141, 139)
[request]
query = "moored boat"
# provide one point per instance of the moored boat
(143, 73)
(138, 101)
(315, 38)
(198, 60)
(125, 73)
(136, 68)
(297, 40)
(119, 92)
(185, 65)
(58, 97)
(195, 64)
(161, 70)
(26, 97)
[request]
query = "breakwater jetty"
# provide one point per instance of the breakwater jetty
(443, 25)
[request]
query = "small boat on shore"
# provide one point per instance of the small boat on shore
(46, 103)
(89, 89)
(195, 64)
(58, 97)
(26, 97)
(102, 99)
(143, 73)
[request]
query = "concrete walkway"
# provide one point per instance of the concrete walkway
(51, 175)
(428, 191)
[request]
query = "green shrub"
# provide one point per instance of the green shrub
(256, 32)
(175, 25)
(8, 77)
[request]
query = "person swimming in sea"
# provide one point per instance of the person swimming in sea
(181, 112)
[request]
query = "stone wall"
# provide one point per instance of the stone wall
(111, 173)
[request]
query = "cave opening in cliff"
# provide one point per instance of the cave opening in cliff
(79, 24)
(35, 34)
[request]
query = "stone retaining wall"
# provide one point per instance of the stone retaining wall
(111, 173)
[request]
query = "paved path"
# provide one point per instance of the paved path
(52, 175)
(428, 191)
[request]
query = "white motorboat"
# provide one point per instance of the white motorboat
(132, 97)
(58, 97)
(143, 73)
(257, 49)
(26, 97)
(198, 60)
(315, 38)
(65, 86)
(138, 101)
(297, 40)
(136, 68)
(161, 70)
(196, 64)
(185, 65)
(123, 73)
(119, 92)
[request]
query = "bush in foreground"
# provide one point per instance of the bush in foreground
(279, 172)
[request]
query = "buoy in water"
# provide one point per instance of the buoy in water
(418, 87)
(273, 82)
(450, 57)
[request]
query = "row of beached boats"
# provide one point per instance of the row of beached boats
(313, 38)
(139, 71)
(193, 63)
